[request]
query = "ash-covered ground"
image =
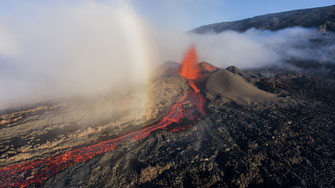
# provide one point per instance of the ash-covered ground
(269, 127)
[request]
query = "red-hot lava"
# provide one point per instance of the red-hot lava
(190, 69)
(187, 110)
(208, 67)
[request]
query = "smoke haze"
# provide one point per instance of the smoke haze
(251, 49)
(62, 49)
(59, 49)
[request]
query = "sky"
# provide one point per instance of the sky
(187, 14)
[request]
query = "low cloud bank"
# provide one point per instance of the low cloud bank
(253, 48)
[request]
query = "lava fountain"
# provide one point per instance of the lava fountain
(190, 69)
(181, 116)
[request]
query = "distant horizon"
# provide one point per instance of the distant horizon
(216, 11)
(264, 15)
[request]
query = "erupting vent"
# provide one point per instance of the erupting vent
(190, 69)
(181, 116)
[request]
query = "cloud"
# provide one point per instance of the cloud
(8, 46)
(67, 49)
(251, 49)
(52, 50)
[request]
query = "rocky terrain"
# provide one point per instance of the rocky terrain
(54, 127)
(278, 134)
(234, 145)
(322, 18)
(265, 127)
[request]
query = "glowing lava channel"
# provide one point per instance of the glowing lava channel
(21, 175)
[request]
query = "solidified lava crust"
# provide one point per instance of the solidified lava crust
(286, 141)
(24, 174)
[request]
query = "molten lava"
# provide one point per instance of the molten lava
(208, 67)
(181, 116)
(190, 69)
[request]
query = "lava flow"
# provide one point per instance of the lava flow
(187, 110)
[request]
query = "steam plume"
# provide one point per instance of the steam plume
(59, 49)
(64, 49)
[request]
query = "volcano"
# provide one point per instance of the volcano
(181, 116)
(206, 126)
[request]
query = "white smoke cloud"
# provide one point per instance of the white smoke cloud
(251, 49)
(8, 46)
(63, 49)
(83, 48)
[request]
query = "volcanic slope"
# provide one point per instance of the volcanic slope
(45, 129)
(234, 144)
(234, 87)
(188, 108)
(322, 18)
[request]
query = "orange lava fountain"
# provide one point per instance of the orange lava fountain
(187, 111)
(190, 69)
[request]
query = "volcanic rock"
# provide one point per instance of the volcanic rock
(163, 93)
(42, 130)
(239, 72)
(236, 143)
(169, 68)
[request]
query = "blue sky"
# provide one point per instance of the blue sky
(187, 14)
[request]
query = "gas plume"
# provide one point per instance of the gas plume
(253, 48)
(58, 50)
(66, 49)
